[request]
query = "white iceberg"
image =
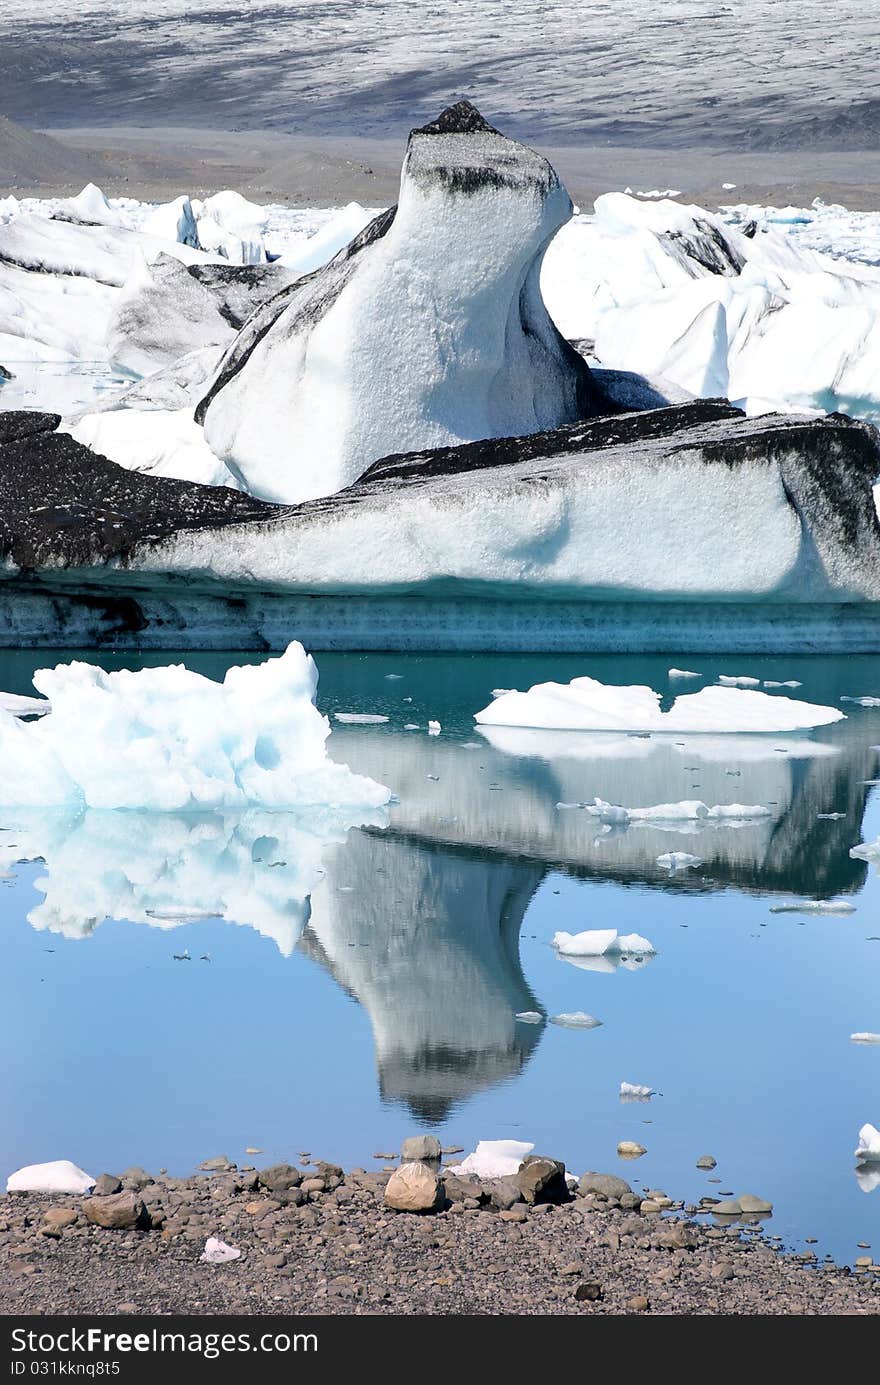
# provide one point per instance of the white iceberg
(814, 906)
(529, 1016)
(738, 680)
(598, 941)
(634, 1091)
(585, 704)
(575, 1019)
(664, 814)
(868, 1177)
(217, 1252)
(864, 1037)
(868, 1150)
(168, 739)
(494, 1159)
(19, 706)
(683, 673)
(678, 860)
(59, 1176)
(866, 851)
(360, 718)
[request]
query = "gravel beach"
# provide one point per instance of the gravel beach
(316, 1240)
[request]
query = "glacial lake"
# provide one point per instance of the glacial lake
(364, 987)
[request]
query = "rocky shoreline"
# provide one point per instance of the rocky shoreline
(412, 1238)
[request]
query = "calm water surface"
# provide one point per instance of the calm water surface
(344, 990)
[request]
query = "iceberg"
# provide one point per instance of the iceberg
(868, 1149)
(427, 330)
(864, 1037)
(814, 906)
(588, 705)
(494, 1159)
(576, 1019)
(170, 740)
(633, 1091)
(596, 942)
(674, 861)
(59, 1176)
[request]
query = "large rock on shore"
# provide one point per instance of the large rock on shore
(117, 1212)
(429, 329)
(413, 1188)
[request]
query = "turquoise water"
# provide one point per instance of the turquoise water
(371, 988)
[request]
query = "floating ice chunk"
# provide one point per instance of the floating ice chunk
(217, 1252)
(575, 1019)
(59, 1176)
(585, 704)
(863, 701)
(632, 1091)
(242, 226)
(738, 680)
(494, 1159)
(529, 1016)
(360, 718)
(678, 860)
(814, 906)
(434, 728)
(728, 187)
(868, 1151)
(830, 817)
(634, 943)
(864, 1037)
(683, 673)
(786, 683)
(591, 943)
(19, 706)
(168, 739)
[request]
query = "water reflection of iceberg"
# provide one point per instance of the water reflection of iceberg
(500, 794)
(256, 868)
(427, 940)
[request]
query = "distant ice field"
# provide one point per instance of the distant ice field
(691, 72)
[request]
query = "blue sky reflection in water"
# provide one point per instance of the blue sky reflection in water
(372, 987)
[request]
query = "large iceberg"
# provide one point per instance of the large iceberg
(429, 329)
(586, 704)
(170, 740)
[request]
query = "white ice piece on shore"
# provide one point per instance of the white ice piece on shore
(868, 1149)
(494, 1159)
(634, 1091)
(814, 906)
(678, 860)
(168, 739)
(585, 704)
(58, 1176)
(217, 1252)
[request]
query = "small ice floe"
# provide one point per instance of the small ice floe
(393, 677)
(494, 1159)
(674, 861)
(683, 673)
(585, 704)
(786, 683)
(576, 1019)
(529, 1016)
(633, 1091)
(20, 706)
(728, 187)
(434, 728)
(863, 701)
(687, 810)
(864, 1037)
(217, 1252)
(596, 942)
(59, 1176)
(412, 726)
(738, 680)
(360, 718)
(868, 1151)
(830, 817)
(814, 906)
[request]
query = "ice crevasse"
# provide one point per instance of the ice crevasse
(168, 739)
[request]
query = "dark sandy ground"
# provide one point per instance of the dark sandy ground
(328, 170)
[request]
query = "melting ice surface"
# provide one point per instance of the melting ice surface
(339, 987)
